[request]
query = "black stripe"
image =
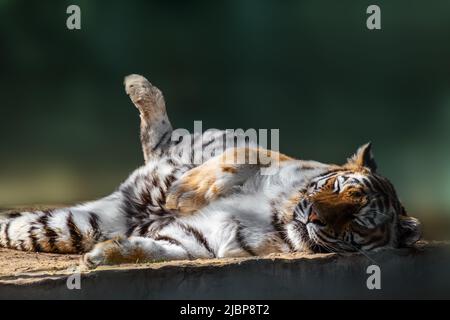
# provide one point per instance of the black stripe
(7, 239)
(378, 185)
(380, 204)
(130, 230)
(177, 142)
(143, 230)
(241, 239)
(13, 215)
(49, 232)
(381, 242)
(174, 242)
(279, 228)
(381, 187)
(155, 177)
(35, 246)
(75, 234)
(161, 223)
(371, 220)
(136, 203)
(161, 140)
(373, 239)
(171, 162)
(205, 144)
(169, 180)
(198, 236)
(325, 237)
(386, 185)
(93, 221)
(321, 238)
(168, 239)
(192, 150)
(368, 236)
(302, 232)
(22, 245)
(329, 174)
(366, 182)
(162, 198)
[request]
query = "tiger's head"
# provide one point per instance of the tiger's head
(352, 208)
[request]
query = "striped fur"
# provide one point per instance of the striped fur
(174, 208)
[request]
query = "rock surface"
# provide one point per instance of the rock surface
(421, 272)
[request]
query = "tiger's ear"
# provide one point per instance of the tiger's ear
(409, 231)
(363, 158)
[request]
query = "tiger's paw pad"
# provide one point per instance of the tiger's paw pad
(91, 260)
(102, 253)
(143, 94)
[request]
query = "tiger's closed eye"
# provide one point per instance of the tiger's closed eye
(355, 194)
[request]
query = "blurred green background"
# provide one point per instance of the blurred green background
(68, 132)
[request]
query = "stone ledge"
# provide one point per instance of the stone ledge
(421, 272)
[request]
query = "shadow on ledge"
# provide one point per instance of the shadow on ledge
(422, 272)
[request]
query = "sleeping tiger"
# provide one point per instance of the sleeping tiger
(171, 208)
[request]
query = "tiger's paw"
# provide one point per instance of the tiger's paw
(194, 190)
(103, 253)
(146, 97)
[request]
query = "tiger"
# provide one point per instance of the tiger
(175, 208)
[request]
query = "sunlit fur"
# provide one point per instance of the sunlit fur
(353, 210)
(173, 208)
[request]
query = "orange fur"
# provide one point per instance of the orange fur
(337, 208)
(190, 193)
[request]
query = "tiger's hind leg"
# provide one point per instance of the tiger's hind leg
(156, 129)
(135, 250)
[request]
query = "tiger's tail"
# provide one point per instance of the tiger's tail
(66, 230)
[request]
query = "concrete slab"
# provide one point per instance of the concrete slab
(421, 272)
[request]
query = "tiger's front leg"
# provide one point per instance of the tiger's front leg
(156, 129)
(134, 250)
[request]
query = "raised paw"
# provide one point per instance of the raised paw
(195, 189)
(146, 97)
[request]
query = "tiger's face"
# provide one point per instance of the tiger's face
(352, 208)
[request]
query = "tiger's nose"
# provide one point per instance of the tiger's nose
(314, 218)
